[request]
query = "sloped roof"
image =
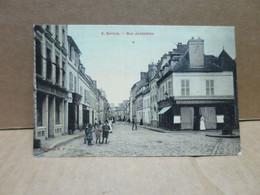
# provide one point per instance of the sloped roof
(210, 64)
(226, 62)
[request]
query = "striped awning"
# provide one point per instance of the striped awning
(165, 109)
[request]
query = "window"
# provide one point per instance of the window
(38, 54)
(57, 112)
(49, 64)
(209, 87)
(185, 87)
(170, 88)
(39, 110)
(75, 84)
(48, 28)
(57, 70)
(63, 74)
(85, 96)
(57, 32)
(71, 82)
(81, 90)
(63, 37)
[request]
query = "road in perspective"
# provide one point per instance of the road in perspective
(144, 142)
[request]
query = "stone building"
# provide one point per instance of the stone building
(50, 62)
(66, 98)
(74, 97)
(197, 85)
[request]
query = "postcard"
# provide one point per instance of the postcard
(135, 91)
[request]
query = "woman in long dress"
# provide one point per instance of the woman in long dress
(202, 123)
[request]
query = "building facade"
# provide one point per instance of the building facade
(65, 97)
(185, 86)
(50, 62)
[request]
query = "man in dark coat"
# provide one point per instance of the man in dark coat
(105, 133)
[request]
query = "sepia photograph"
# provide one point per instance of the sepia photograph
(135, 91)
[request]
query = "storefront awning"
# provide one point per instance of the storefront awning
(165, 109)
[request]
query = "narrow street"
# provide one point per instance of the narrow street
(127, 142)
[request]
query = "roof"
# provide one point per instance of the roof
(226, 62)
(211, 64)
(183, 65)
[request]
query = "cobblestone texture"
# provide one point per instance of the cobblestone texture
(127, 142)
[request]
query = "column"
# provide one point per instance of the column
(45, 117)
(62, 115)
(51, 116)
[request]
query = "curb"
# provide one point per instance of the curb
(157, 130)
(66, 141)
(59, 144)
(223, 136)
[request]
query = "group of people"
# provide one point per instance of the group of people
(100, 131)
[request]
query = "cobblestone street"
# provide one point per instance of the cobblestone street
(127, 142)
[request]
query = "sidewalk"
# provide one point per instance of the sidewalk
(53, 143)
(211, 133)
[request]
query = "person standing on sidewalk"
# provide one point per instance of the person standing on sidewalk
(105, 133)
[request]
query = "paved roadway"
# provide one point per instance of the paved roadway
(127, 142)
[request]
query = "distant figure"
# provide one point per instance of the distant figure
(141, 121)
(105, 129)
(98, 132)
(202, 123)
(134, 125)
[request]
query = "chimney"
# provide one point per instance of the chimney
(196, 53)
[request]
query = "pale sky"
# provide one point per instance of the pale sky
(116, 61)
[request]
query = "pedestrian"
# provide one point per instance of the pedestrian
(105, 133)
(88, 134)
(134, 125)
(98, 132)
(202, 123)
(110, 126)
(141, 121)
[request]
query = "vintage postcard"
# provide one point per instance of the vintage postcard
(134, 90)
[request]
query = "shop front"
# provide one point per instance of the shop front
(73, 119)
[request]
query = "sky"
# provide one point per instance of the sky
(115, 58)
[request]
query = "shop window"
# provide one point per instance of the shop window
(210, 87)
(185, 87)
(39, 110)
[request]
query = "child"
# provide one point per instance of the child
(98, 131)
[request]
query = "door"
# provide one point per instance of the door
(71, 118)
(187, 117)
(209, 113)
